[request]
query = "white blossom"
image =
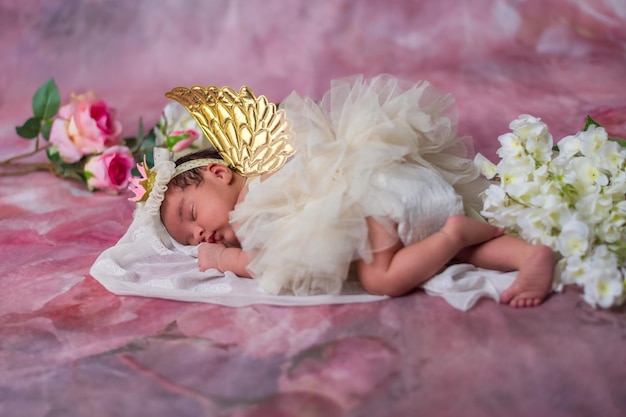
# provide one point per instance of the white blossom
(537, 140)
(587, 172)
(526, 125)
(611, 157)
(537, 228)
(613, 230)
(523, 191)
(591, 140)
(617, 188)
(574, 270)
(517, 170)
(568, 147)
(605, 285)
(485, 166)
(493, 199)
(574, 238)
(512, 146)
(594, 207)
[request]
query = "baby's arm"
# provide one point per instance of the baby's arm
(215, 255)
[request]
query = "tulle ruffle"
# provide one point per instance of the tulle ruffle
(371, 148)
(149, 211)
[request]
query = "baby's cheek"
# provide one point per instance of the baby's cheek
(231, 240)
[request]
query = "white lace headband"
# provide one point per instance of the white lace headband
(196, 163)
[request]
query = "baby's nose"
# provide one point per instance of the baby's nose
(199, 235)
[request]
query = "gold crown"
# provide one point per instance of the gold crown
(249, 133)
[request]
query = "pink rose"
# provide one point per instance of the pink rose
(84, 126)
(110, 171)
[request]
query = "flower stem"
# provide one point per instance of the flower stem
(24, 168)
(37, 149)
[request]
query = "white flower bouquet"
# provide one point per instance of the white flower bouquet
(571, 197)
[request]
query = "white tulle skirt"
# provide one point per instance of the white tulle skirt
(371, 148)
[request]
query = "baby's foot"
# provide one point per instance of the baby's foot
(534, 280)
(468, 232)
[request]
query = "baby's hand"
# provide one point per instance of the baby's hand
(208, 256)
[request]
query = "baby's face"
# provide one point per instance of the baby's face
(198, 214)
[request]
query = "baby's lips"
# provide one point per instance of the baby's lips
(214, 238)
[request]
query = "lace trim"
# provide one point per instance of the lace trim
(164, 168)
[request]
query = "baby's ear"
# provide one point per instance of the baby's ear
(221, 171)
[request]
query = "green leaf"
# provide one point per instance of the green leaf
(47, 100)
(68, 173)
(30, 129)
(149, 139)
(141, 132)
(53, 155)
(173, 140)
(145, 146)
(590, 122)
(150, 158)
(74, 171)
(131, 143)
(46, 127)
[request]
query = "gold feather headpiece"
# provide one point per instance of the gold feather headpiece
(250, 133)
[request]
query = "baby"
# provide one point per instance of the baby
(199, 202)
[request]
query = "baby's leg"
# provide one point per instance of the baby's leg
(469, 232)
(399, 269)
(507, 253)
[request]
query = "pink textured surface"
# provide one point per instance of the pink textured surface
(68, 347)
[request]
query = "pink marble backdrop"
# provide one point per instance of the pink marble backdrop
(68, 347)
(499, 58)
